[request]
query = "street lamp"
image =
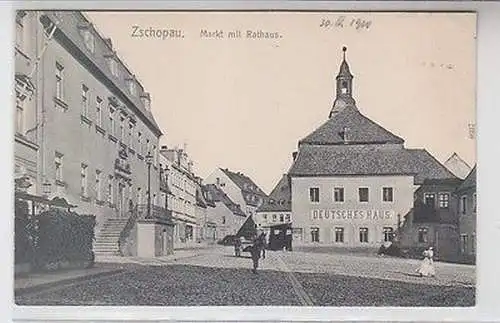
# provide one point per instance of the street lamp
(149, 161)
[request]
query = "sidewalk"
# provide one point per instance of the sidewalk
(162, 260)
(32, 282)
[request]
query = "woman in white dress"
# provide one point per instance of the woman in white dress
(427, 267)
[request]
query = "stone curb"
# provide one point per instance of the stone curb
(31, 289)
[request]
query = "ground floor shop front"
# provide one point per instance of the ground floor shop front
(185, 233)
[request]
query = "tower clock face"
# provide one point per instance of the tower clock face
(343, 90)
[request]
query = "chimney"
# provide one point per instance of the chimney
(146, 100)
(108, 42)
(294, 155)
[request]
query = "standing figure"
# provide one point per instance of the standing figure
(255, 251)
(262, 242)
(427, 267)
(237, 246)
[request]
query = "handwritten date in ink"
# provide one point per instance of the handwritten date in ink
(344, 22)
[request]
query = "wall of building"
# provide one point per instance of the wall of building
(26, 110)
(467, 221)
(351, 215)
(229, 187)
(226, 222)
(182, 200)
(79, 136)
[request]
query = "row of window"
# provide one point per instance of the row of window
(444, 201)
(118, 125)
(339, 237)
(99, 184)
(363, 194)
(180, 181)
(282, 217)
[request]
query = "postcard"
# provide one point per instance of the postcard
(245, 158)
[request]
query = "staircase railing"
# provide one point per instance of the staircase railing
(128, 228)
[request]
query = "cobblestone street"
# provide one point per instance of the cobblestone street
(216, 277)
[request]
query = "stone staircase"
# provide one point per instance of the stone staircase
(107, 240)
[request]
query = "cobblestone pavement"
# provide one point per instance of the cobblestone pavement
(216, 277)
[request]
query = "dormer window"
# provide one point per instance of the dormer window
(131, 87)
(146, 101)
(88, 39)
(113, 66)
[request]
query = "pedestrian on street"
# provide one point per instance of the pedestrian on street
(237, 246)
(262, 242)
(427, 267)
(255, 251)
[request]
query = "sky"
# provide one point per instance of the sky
(244, 103)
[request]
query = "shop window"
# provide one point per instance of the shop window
(422, 235)
(363, 194)
(314, 194)
(444, 200)
(363, 235)
(388, 234)
(339, 234)
(387, 194)
(338, 194)
(314, 234)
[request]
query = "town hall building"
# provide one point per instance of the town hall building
(352, 181)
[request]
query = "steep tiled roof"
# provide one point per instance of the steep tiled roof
(368, 160)
(360, 130)
(280, 198)
(470, 180)
(219, 196)
(248, 187)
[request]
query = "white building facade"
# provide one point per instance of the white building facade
(181, 198)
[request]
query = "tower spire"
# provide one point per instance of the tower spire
(344, 87)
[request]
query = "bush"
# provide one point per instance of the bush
(64, 236)
(23, 245)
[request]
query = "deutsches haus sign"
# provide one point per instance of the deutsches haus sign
(352, 214)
